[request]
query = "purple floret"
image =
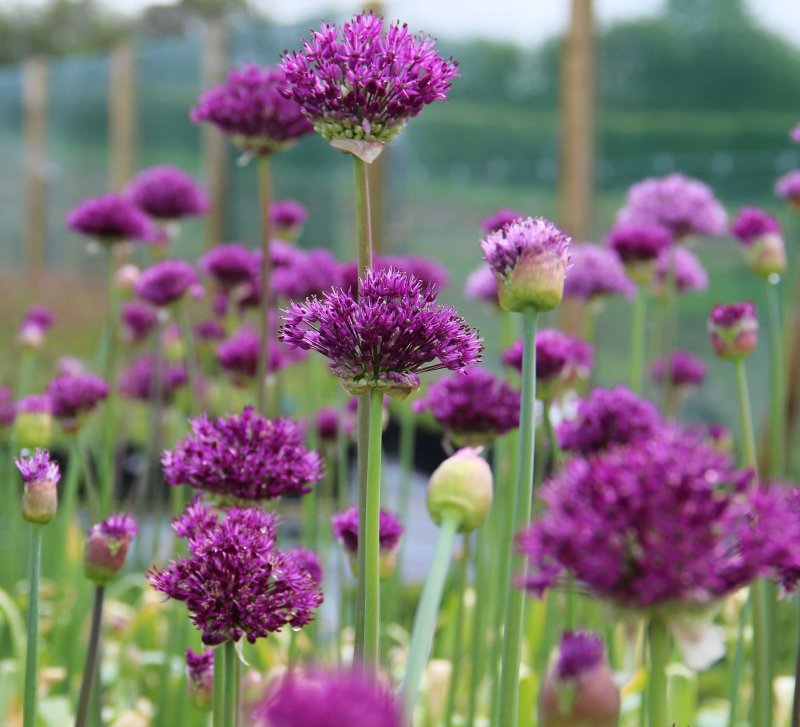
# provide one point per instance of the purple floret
(137, 381)
(498, 220)
(482, 285)
(38, 468)
(428, 271)
(235, 582)
(733, 314)
(165, 282)
(244, 456)
(167, 193)
(34, 404)
(637, 242)
(287, 214)
(345, 529)
(685, 271)
(199, 667)
(138, 319)
(607, 419)
(111, 219)
(359, 82)
(230, 264)
(559, 357)
(683, 368)
(239, 354)
(308, 561)
(116, 527)
(752, 223)
(788, 187)
(596, 272)
(72, 395)
(578, 653)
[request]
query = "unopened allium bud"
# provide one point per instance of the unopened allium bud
(529, 258)
(762, 241)
(733, 330)
(579, 689)
(41, 476)
(33, 425)
(200, 678)
(107, 547)
(346, 531)
(462, 484)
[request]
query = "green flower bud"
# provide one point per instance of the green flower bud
(462, 484)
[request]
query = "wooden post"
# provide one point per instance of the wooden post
(214, 144)
(34, 102)
(121, 116)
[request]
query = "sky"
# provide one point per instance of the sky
(525, 21)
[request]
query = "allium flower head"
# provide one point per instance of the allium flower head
(309, 273)
(309, 561)
(75, 395)
(39, 467)
(472, 408)
(664, 523)
(683, 205)
(107, 547)
(607, 419)
(529, 258)
(639, 246)
(111, 219)
(138, 319)
(733, 329)
(345, 529)
(762, 241)
(788, 187)
(167, 193)
(235, 582)
(138, 380)
(230, 264)
(336, 699)
(596, 272)
(200, 678)
(328, 421)
(462, 486)
(357, 83)
(680, 270)
(681, 367)
(239, 354)
(41, 476)
(578, 652)
(384, 338)
(425, 269)
(287, 217)
(165, 282)
(209, 330)
(250, 110)
(37, 322)
(481, 284)
(561, 360)
(34, 404)
(498, 220)
(244, 457)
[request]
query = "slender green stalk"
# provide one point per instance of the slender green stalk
(428, 610)
(27, 371)
(658, 638)
(363, 215)
(371, 534)
(458, 632)
(777, 450)
(638, 336)
(735, 679)
(32, 654)
(95, 499)
(549, 432)
(311, 530)
(218, 707)
(478, 625)
(748, 441)
(265, 200)
(153, 476)
(523, 502)
(108, 368)
(196, 390)
(92, 654)
(231, 700)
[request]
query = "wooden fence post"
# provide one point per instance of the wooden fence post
(214, 144)
(121, 115)
(34, 103)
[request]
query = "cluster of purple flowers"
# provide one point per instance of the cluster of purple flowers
(681, 270)
(111, 219)
(596, 272)
(345, 530)
(74, 395)
(138, 379)
(37, 322)
(235, 582)
(238, 355)
(681, 368)
(246, 457)
(138, 319)
(167, 193)
(165, 282)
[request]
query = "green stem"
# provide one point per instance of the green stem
(109, 363)
(231, 700)
(638, 335)
(428, 610)
(32, 654)
(196, 390)
(265, 200)
(478, 625)
(458, 632)
(371, 534)
(90, 665)
(95, 504)
(218, 714)
(523, 501)
(777, 460)
(549, 432)
(658, 639)
(363, 215)
(748, 442)
(310, 530)
(735, 679)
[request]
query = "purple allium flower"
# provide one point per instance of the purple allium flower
(761, 238)
(328, 421)
(34, 404)
(111, 219)
(529, 258)
(209, 330)
(7, 409)
(683, 270)
(683, 205)
(138, 319)
(250, 110)
(107, 547)
(345, 529)
(239, 354)
(38, 468)
(428, 271)
(230, 264)
(309, 273)
(498, 220)
(609, 418)
(639, 246)
(244, 456)
(788, 187)
(482, 285)
(137, 381)
(358, 83)
(733, 329)
(682, 368)
(596, 272)
(167, 193)
(75, 395)
(794, 135)
(308, 561)
(578, 652)
(335, 699)
(200, 678)
(393, 332)
(472, 408)
(752, 223)
(37, 322)
(165, 282)
(235, 582)
(666, 521)
(287, 217)
(561, 360)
